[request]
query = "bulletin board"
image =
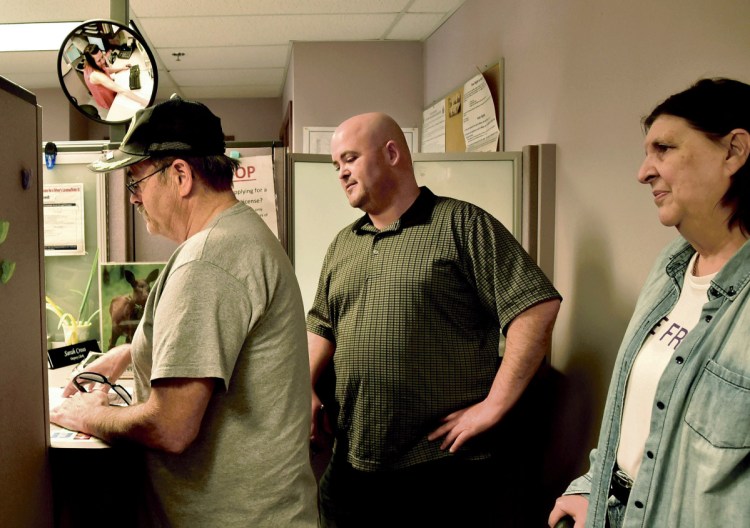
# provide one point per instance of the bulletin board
(443, 120)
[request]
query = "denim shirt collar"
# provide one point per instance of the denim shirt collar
(730, 280)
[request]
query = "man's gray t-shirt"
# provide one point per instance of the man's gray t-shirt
(227, 306)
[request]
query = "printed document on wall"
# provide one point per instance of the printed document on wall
(63, 219)
(433, 128)
(480, 124)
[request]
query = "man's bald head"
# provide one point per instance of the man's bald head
(376, 128)
(374, 165)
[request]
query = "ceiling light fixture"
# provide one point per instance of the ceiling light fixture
(37, 36)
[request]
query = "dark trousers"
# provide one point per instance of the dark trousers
(448, 492)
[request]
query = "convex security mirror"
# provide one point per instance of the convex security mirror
(107, 71)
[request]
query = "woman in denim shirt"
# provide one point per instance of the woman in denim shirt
(674, 446)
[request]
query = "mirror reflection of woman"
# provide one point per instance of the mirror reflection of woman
(97, 75)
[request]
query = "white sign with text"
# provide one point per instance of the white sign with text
(254, 185)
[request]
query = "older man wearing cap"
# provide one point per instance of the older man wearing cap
(220, 357)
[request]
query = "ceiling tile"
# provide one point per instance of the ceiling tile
(435, 6)
(228, 76)
(233, 48)
(50, 11)
(217, 57)
(219, 92)
(262, 30)
(171, 8)
(421, 25)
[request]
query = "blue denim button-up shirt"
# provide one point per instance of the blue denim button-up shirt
(696, 464)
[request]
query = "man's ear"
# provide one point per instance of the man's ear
(183, 176)
(738, 151)
(393, 152)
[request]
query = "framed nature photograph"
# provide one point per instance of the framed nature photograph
(123, 290)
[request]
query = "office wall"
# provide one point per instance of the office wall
(332, 81)
(245, 119)
(55, 126)
(581, 74)
(248, 119)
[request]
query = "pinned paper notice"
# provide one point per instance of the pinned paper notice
(481, 131)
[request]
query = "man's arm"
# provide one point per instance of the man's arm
(321, 352)
(169, 421)
(104, 80)
(528, 339)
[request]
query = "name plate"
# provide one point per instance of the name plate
(71, 354)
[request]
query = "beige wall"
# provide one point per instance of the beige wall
(581, 74)
(245, 119)
(55, 107)
(332, 81)
(248, 119)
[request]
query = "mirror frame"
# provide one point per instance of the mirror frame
(103, 31)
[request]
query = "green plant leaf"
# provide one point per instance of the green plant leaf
(53, 307)
(91, 318)
(6, 270)
(94, 264)
(4, 228)
(67, 318)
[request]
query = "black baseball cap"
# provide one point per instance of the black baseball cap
(173, 127)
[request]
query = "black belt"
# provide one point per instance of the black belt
(620, 485)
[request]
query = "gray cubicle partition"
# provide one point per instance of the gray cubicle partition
(318, 208)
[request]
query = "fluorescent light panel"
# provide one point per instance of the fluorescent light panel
(38, 36)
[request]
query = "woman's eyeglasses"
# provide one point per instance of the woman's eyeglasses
(87, 378)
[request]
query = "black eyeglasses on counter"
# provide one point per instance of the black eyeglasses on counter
(83, 379)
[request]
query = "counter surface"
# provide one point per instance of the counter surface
(59, 436)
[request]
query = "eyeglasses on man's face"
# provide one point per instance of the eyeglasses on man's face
(133, 185)
(87, 378)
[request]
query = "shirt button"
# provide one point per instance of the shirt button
(649, 454)
(730, 291)
(708, 318)
(374, 251)
(660, 405)
(679, 360)
(638, 504)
